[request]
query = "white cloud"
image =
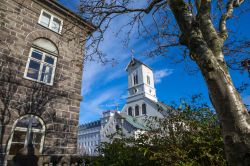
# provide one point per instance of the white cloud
(97, 104)
(160, 74)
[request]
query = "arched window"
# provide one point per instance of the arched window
(144, 109)
(27, 132)
(130, 113)
(41, 63)
(137, 113)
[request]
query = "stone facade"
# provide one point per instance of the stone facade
(19, 28)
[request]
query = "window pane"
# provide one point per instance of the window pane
(49, 60)
(33, 69)
(32, 74)
(46, 74)
(15, 147)
(35, 123)
(23, 122)
(46, 45)
(130, 111)
(135, 79)
(19, 136)
(148, 80)
(136, 110)
(144, 111)
(37, 146)
(45, 19)
(37, 55)
(34, 65)
(37, 138)
(56, 25)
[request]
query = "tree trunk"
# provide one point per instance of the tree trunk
(232, 113)
(2, 148)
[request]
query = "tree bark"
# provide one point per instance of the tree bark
(232, 113)
(228, 104)
(2, 148)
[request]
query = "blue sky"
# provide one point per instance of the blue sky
(105, 85)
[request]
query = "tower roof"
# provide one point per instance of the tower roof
(134, 61)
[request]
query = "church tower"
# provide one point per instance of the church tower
(140, 81)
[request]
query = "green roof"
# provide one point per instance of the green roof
(163, 107)
(134, 122)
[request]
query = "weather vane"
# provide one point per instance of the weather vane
(132, 53)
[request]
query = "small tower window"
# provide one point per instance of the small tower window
(135, 79)
(130, 111)
(137, 110)
(144, 109)
(148, 80)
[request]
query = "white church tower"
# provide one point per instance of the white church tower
(141, 101)
(140, 81)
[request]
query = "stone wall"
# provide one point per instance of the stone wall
(18, 29)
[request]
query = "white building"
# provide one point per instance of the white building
(141, 101)
(140, 104)
(89, 138)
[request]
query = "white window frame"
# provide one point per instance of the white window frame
(41, 66)
(50, 22)
(14, 128)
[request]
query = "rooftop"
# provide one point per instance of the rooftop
(90, 125)
(133, 61)
(67, 12)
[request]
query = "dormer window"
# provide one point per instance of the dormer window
(50, 21)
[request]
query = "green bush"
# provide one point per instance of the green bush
(188, 135)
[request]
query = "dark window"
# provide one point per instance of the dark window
(137, 113)
(144, 109)
(135, 79)
(117, 127)
(130, 111)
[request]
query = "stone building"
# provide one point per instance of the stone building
(141, 103)
(41, 54)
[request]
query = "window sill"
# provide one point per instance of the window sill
(58, 33)
(30, 79)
